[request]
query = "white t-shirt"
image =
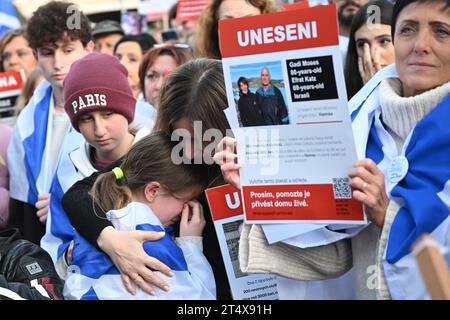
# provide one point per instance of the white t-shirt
(59, 128)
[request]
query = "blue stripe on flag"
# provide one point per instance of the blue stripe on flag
(90, 295)
(91, 262)
(165, 250)
(60, 226)
(7, 7)
(374, 149)
(94, 264)
(9, 17)
(34, 145)
(428, 173)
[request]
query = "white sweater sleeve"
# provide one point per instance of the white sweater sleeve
(198, 265)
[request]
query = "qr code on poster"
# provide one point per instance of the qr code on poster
(341, 188)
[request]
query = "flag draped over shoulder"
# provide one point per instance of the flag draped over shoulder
(93, 276)
(72, 166)
(423, 195)
(28, 152)
(8, 17)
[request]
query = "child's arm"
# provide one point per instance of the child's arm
(190, 241)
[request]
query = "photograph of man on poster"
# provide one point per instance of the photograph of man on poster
(259, 93)
(271, 101)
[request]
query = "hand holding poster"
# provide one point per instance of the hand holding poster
(288, 109)
(226, 209)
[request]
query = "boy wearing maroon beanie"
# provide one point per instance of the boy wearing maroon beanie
(59, 34)
(100, 105)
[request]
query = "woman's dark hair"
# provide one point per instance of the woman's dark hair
(196, 90)
(148, 160)
(242, 80)
(180, 54)
(401, 4)
(364, 15)
(50, 23)
(208, 37)
(145, 41)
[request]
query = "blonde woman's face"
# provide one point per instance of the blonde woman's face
(230, 9)
(17, 55)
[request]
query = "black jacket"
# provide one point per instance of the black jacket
(249, 110)
(273, 107)
(26, 270)
(78, 205)
(23, 217)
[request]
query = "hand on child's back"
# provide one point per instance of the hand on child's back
(192, 220)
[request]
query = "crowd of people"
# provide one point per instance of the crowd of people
(87, 170)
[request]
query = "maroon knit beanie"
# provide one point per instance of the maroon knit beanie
(98, 82)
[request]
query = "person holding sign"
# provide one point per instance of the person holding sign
(194, 94)
(400, 116)
(399, 120)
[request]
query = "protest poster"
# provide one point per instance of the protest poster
(288, 110)
(226, 210)
(11, 84)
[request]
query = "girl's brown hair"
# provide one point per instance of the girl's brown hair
(180, 54)
(148, 160)
(208, 36)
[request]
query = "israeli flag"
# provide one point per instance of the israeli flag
(73, 165)
(93, 276)
(423, 195)
(8, 17)
(29, 149)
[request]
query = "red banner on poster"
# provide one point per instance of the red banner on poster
(286, 30)
(224, 202)
(301, 202)
(10, 81)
